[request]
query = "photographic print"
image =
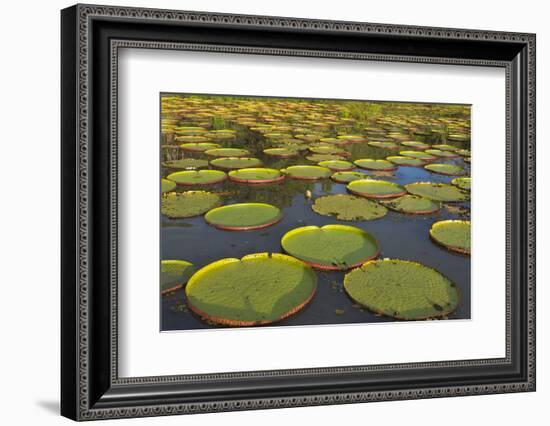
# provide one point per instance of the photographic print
(291, 211)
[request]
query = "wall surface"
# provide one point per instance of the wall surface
(29, 225)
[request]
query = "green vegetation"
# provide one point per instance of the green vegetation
(174, 274)
(372, 188)
(348, 207)
(370, 164)
(346, 177)
(412, 204)
(256, 175)
(307, 172)
(445, 169)
(243, 216)
(233, 163)
(167, 185)
(197, 177)
(337, 165)
(186, 163)
(453, 234)
(188, 204)
(437, 191)
(462, 182)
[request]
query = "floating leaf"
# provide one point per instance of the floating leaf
(464, 152)
(445, 169)
(331, 247)
(307, 172)
(406, 161)
(437, 191)
(459, 137)
(452, 234)
(188, 204)
(232, 163)
(443, 154)
(353, 138)
(348, 207)
(243, 216)
(418, 154)
(174, 274)
(402, 289)
(462, 182)
(197, 177)
(415, 144)
(191, 139)
(227, 152)
(327, 149)
(412, 204)
(346, 177)
(337, 165)
(167, 185)
(372, 188)
(317, 158)
(385, 145)
(281, 152)
(258, 289)
(186, 163)
(370, 164)
(256, 175)
(199, 146)
(445, 147)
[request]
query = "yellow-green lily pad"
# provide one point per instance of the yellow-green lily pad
(227, 152)
(371, 164)
(346, 177)
(418, 154)
(440, 153)
(385, 145)
(437, 191)
(199, 146)
(337, 165)
(186, 163)
(281, 152)
(256, 175)
(348, 207)
(188, 204)
(174, 274)
(233, 163)
(243, 216)
(197, 177)
(372, 188)
(412, 204)
(415, 144)
(167, 185)
(452, 234)
(463, 182)
(445, 147)
(307, 172)
(445, 169)
(406, 161)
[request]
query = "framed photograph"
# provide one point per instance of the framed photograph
(263, 212)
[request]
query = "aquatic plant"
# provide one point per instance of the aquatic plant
(188, 204)
(337, 165)
(346, 177)
(440, 153)
(406, 161)
(437, 191)
(372, 188)
(174, 274)
(167, 185)
(418, 154)
(307, 172)
(186, 163)
(348, 207)
(445, 169)
(256, 175)
(370, 164)
(228, 152)
(243, 216)
(199, 146)
(412, 204)
(452, 234)
(233, 163)
(281, 152)
(197, 177)
(415, 144)
(385, 145)
(463, 182)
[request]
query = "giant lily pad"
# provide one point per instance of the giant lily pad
(370, 164)
(331, 247)
(437, 191)
(227, 152)
(188, 204)
(186, 163)
(462, 182)
(307, 172)
(406, 161)
(348, 207)
(199, 146)
(372, 188)
(258, 289)
(337, 165)
(385, 145)
(453, 234)
(445, 147)
(459, 137)
(317, 158)
(346, 177)
(244, 216)
(281, 152)
(418, 154)
(233, 163)
(191, 139)
(256, 175)
(440, 153)
(402, 289)
(352, 138)
(327, 149)
(415, 144)
(174, 274)
(197, 177)
(412, 204)
(167, 185)
(464, 152)
(445, 169)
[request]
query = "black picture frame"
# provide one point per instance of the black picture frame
(90, 386)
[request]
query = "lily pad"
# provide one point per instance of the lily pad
(281, 152)
(188, 204)
(445, 147)
(233, 163)
(459, 137)
(437, 191)
(174, 274)
(415, 144)
(402, 289)
(331, 247)
(199, 146)
(327, 149)
(445, 169)
(463, 182)
(186, 163)
(370, 164)
(372, 188)
(385, 145)
(189, 138)
(346, 177)
(406, 161)
(440, 153)
(307, 172)
(337, 165)
(352, 138)
(227, 152)
(317, 158)
(464, 152)
(412, 204)
(167, 185)
(243, 216)
(452, 234)
(418, 154)
(256, 175)
(197, 177)
(348, 207)
(260, 288)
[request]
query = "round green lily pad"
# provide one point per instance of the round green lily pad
(406, 161)
(167, 185)
(418, 154)
(281, 152)
(372, 188)
(352, 138)
(346, 177)
(348, 207)
(385, 145)
(369, 164)
(459, 137)
(186, 163)
(189, 138)
(197, 177)
(327, 149)
(412, 204)
(452, 234)
(188, 204)
(317, 158)
(258, 289)
(337, 165)
(415, 144)
(437, 191)
(256, 175)
(440, 153)
(331, 247)
(445, 147)
(445, 169)
(233, 163)
(402, 289)
(199, 146)
(222, 134)
(462, 182)
(464, 152)
(227, 152)
(307, 172)
(174, 274)
(243, 216)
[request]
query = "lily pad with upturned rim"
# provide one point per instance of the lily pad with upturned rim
(317, 158)
(228, 152)
(199, 146)
(197, 177)
(445, 169)
(243, 216)
(372, 188)
(347, 177)
(258, 289)
(406, 161)
(348, 207)
(167, 185)
(281, 152)
(419, 155)
(327, 149)
(412, 204)
(174, 274)
(186, 163)
(188, 204)
(337, 165)
(415, 144)
(463, 182)
(256, 175)
(371, 164)
(233, 163)
(331, 247)
(384, 145)
(440, 153)
(402, 289)
(445, 147)
(452, 234)
(437, 191)
(307, 172)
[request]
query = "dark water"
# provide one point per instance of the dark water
(400, 236)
